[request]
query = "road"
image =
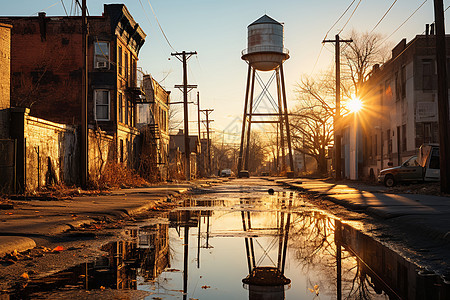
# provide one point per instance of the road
(303, 225)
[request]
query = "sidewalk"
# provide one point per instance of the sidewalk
(29, 220)
(429, 215)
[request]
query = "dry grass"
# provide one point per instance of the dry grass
(117, 175)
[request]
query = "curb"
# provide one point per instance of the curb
(10, 243)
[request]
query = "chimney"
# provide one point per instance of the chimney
(427, 29)
(375, 68)
(42, 26)
(432, 29)
(399, 48)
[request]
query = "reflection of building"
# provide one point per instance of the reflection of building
(400, 98)
(153, 245)
(388, 271)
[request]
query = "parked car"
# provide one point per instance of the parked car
(424, 167)
(244, 173)
(226, 173)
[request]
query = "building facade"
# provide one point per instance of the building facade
(153, 119)
(46, 69)
(401, 109)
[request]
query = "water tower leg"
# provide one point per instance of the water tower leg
(244, 118)
(280, 111)
(288, 132)
(250, 111)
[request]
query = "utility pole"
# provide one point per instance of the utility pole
(337, 114)
(84, 170)
(208, 141)
(184, 57)
(198, 114)
(441, 63)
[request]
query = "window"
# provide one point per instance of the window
(121, 151)
(427, 74)
(119, 60)
(126, 65)
(126, 111)
(397, 87)
(120, 107)
(389, 141)
(101, 98)
(403, 80)
(375, 145)
(403, 138)
(101, 55)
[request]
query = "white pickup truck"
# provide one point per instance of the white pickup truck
(422, 167)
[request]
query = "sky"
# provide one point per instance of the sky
(217, 30)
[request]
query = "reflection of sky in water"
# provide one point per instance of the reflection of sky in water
(310, 257)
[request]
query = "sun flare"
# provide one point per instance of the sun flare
(354, 105)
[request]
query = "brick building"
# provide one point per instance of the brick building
(46, 67)
(5, 80)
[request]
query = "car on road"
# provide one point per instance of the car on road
(226, 173)
(244, 173)
(424, 167)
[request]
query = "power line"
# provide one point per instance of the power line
(343, 14)
(420, 6)
(326, 34)
(157, 21)
(62, 2)
(389, 9)
(45, 8)
(317, 59)
(349, 18)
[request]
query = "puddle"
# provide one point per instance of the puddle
(246, 246)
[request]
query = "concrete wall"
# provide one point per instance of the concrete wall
(128, 145)
(101, 147)
(48, 152)
(51, 153)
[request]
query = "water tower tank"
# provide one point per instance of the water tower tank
(265, 50)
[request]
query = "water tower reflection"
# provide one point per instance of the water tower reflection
(267, 282)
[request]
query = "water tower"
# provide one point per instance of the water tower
(265, 52)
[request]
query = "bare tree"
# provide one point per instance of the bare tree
(312, 119)
(366, 50)
(174, 120)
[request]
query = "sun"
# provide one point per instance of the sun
(354, 105)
